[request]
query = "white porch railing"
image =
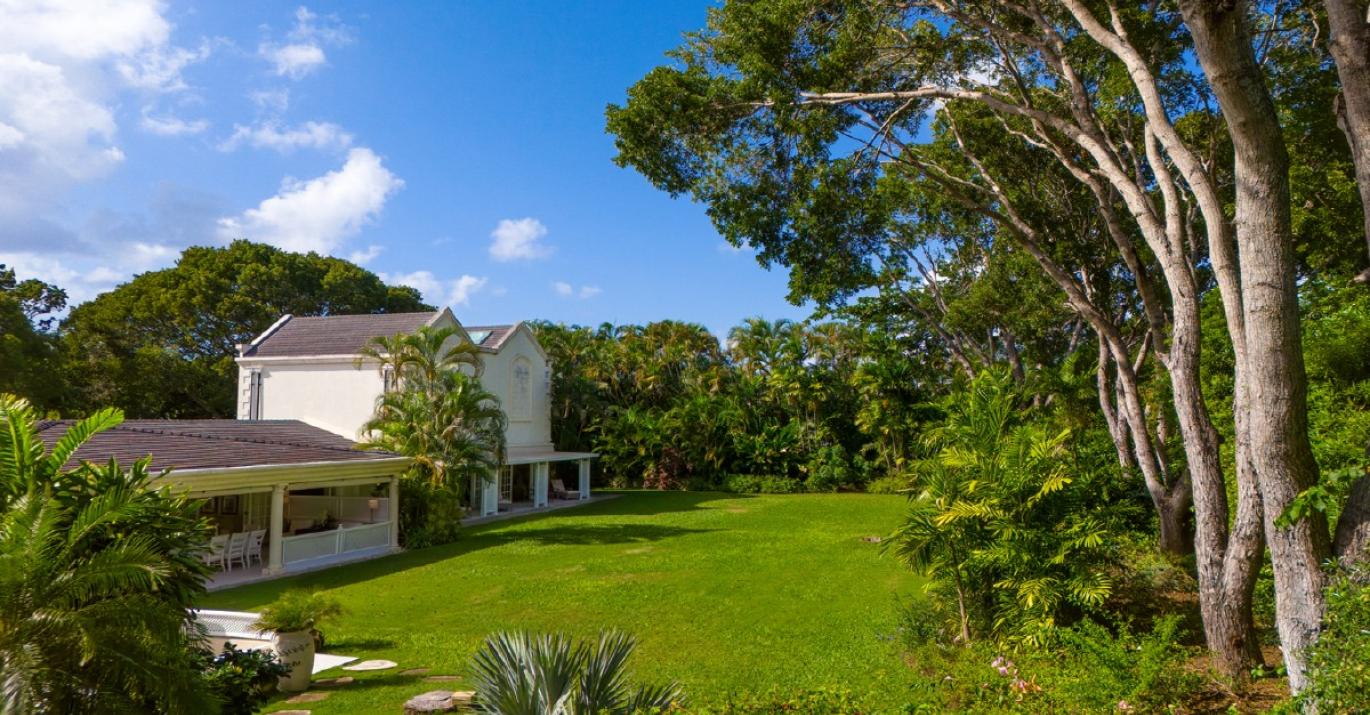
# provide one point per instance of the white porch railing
(306, 547)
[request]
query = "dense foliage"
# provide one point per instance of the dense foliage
(97, 571)
(243, 680)
(782, 407)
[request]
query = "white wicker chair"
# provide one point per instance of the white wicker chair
(237, 550)
(254, 547)
(217, 546)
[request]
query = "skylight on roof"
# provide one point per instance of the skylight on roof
(479, 336)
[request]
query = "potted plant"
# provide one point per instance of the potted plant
(294, 619)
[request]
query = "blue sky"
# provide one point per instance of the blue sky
(457, 146)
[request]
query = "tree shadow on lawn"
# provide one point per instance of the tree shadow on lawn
(649, 502)
(551, 535)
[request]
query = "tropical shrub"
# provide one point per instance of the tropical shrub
(1340, 660)
(528, 674)
(761, 484)
(429, 515)
(243, 680)
(1090, 669)
(1001, 521)
(97, 571)
(300, 610)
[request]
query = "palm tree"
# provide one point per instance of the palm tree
(96, 573)
(439, 415)
(527, 674)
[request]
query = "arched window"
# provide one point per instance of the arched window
(521, 389)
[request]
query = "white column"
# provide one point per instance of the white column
(394, 512)
(540, 484)
(584, 479)
(274, 560)
(489, 496)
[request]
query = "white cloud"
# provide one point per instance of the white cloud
(439, 292)
(169, 125)
(276, 100)
(82, 30)
(159, 68)
(366, 255)
(304, 53)
(294, 61)
(321, 213)
(463, 288)
(270, 135)
(725, 247)
(566, 290)
(519, 239)
(52, 135)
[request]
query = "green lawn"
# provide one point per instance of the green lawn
(725, 593)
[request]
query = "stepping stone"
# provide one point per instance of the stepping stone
(442, 678)
(872, 539)
(415, 671)
(293, 712)
(334, 682)
(372, 665)
(433, 701)
(310, 697)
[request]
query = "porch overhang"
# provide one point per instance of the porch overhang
(535, 455)
(262, 478)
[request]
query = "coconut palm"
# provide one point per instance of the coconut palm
(96, 573)
(528, 674)
(422, 357)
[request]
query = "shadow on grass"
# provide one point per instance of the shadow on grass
(558, 533)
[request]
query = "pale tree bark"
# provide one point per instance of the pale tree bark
(1349, 41)
(1348, 24)
(1275, 396)
(1227, 558)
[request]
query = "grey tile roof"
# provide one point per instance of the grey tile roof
(334, 334)
(202, 444)
(495, 335)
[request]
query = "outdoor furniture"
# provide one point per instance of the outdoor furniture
(560, 491)
(254, 547)
(217, 545)
(237, 550)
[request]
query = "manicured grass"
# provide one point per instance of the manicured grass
(725, 593)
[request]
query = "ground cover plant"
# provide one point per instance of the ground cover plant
(724, 594)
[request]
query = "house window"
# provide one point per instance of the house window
(521, 390)
(254, 395)
(389, 384)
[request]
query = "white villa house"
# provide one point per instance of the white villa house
(311, 369)
(285, 484)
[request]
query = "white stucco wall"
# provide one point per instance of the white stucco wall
(335, 395)
(338, 396)
(497, 378)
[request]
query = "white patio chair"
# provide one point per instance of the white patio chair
(217, 545)
(237, 550)
(254, 547)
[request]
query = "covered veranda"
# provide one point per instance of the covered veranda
(528, 482)
(277, 519)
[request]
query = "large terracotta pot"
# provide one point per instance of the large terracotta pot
(296, 651)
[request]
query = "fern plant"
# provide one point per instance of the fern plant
(1000, 518)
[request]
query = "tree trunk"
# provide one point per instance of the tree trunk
(1349, 41)
(1271, 366)
(1353, 526)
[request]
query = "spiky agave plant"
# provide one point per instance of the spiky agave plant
(550, 674)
